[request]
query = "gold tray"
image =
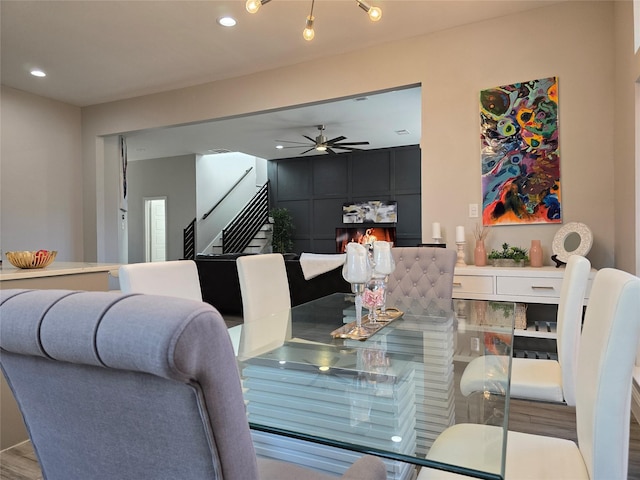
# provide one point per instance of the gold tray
(343, 332)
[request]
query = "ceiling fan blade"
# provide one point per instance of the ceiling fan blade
(298, 146)
(349, 149)
(350, 143)
(312, 148)
(312, 140)
(337, 139)
(330, 151)
(289, 141)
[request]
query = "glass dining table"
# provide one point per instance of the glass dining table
(316, 397)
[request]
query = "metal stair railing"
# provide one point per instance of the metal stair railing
(238, 234)
(189, 241)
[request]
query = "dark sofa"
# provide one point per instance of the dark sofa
(221, 288)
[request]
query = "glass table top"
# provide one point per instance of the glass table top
(390, 395)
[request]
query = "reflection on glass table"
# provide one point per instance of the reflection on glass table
(390, 395)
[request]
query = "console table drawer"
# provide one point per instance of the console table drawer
(472, 284)
(529, 286)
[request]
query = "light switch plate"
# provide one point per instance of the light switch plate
(473, 210)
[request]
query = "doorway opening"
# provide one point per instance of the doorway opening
(155, 229)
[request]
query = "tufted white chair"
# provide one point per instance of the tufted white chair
(603, 396)
(537, 379)
(422, 273)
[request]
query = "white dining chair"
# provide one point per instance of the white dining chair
(264, 287)
(603, 398)
(174, 278)
(540, 379)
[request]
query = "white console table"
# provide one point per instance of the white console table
(513, 284)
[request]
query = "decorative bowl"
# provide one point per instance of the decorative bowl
(31, 259)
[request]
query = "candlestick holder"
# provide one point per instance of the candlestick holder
(358, 330)
(437, 239)
(460, 262)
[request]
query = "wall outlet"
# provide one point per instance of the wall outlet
(473, 210)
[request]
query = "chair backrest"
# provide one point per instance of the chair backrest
(125, 386)
(175, 278)
(263, 284)
(569, 326)
(603, 385)
(424, 273)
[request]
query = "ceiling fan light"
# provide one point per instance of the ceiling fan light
(321, 148)
(308, 32)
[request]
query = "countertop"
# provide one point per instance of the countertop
(9, 272)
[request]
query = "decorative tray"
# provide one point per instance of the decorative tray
(371, 328)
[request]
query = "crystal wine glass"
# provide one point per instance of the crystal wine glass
(384, 265)
(357, 271)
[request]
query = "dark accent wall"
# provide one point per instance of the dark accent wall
(314, 189)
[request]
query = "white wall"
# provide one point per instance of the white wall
(40, 175)
(215, 176)
(627, 179)
(574, 40)
(571, 40)
(174, 178)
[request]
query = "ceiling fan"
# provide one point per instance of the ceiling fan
(321, 144)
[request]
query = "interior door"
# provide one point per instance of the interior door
(155, 229)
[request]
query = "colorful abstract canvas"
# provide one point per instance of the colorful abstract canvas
(520, 155)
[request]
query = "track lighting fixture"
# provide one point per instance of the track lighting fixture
(308, 32)
(375, 14)
(253, 6)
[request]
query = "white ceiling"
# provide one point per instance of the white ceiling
(97, 51)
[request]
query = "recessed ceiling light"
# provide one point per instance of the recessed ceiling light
(227, 21)
(402, 132)
(279, 147)
(36, 72)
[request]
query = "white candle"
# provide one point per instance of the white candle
(435, 230)
(382, 257)
(356, 268)
(459, 234)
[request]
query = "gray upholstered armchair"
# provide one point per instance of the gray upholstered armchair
(423, 274)
(131, 387)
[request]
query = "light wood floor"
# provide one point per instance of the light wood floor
(19, 463)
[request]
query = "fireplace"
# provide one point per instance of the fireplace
(363, 235)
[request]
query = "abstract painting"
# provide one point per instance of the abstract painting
(375, 211)
(520, 155)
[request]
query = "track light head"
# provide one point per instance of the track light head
(308, 32)
(253, 6)
(375, 13)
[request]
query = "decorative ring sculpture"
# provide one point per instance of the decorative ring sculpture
(560, 253)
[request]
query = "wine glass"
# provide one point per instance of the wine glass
(384, 265)
(373, 298)
(357, 271)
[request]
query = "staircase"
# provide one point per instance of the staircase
(251, 231)
(260, 242)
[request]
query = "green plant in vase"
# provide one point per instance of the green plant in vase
(282, 230)
(508, 256)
